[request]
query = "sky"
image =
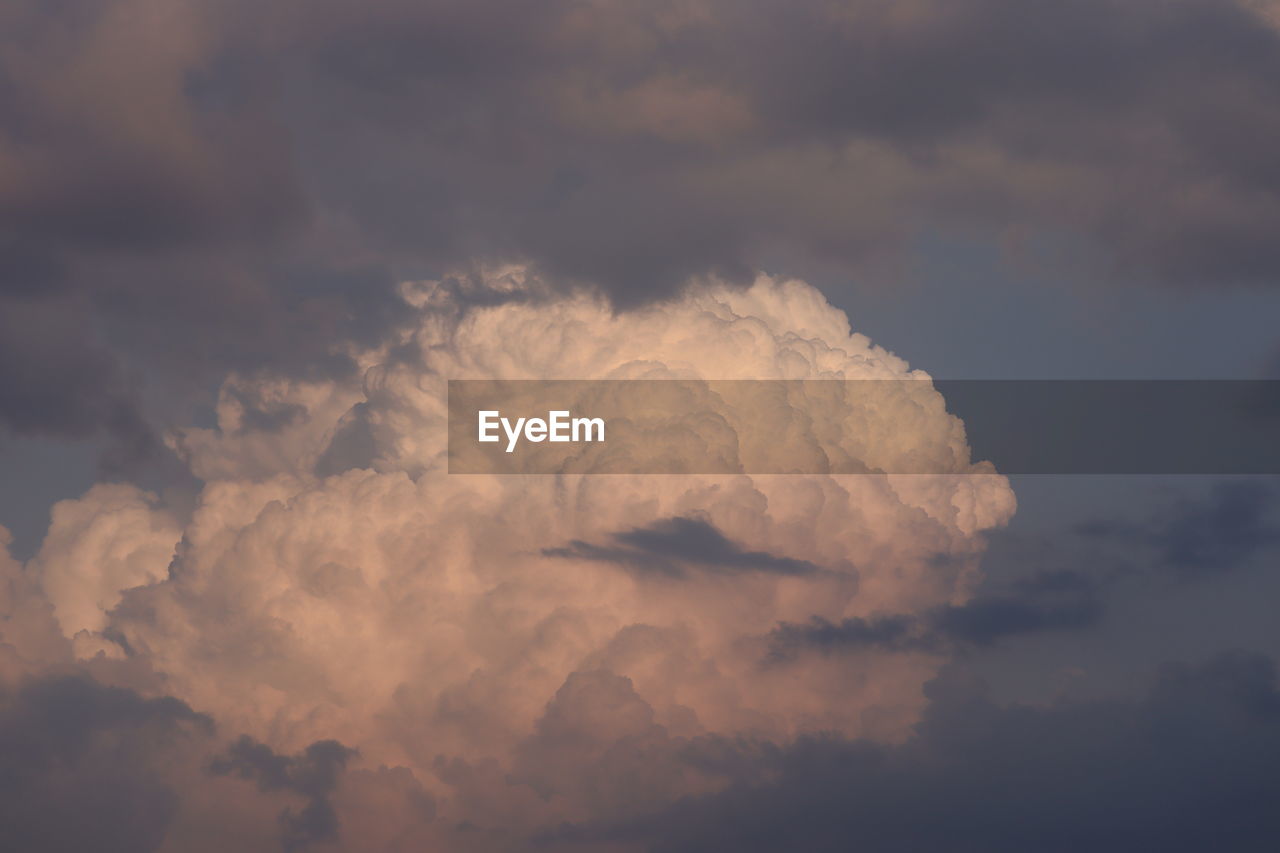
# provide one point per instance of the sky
(243, 248)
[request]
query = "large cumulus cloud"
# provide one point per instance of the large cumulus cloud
(450, 626)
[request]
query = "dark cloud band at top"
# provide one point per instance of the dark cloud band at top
(184, 168)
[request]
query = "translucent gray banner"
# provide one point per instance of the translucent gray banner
(894, 426)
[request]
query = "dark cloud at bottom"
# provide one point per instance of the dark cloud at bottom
(312, 774)
(1188, 767)
(81, 766)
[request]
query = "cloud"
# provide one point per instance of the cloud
(115, 146)
(112, 539)
(89, 765)
(58, 379)
(1055, 601)
(31, 641)
(896, 632)
(662, 548)
(488, 675)
(1050, 601)
(85, 765)
(980, 776)
(662, 141)
(1198, 536)
(313, 774)
(506, 691)
(236, 197)
(195, 191)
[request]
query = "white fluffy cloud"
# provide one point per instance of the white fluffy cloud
(111, 539)
(450, 625)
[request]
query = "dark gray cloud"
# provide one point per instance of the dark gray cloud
(897, 632)
(313, 774)
(57, 379)
(83, 766)
(1198, 536)
(672, 546)
(1050, 601)
(1191, 536)
(1187, 767)
(227, 185)
(633, 145)
(89, 766)
(1053, 601)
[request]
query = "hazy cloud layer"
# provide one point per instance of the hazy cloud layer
(223, 184)
(1197, 538)
(1104, 776)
